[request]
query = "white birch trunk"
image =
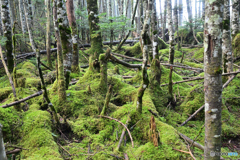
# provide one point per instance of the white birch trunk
(213, 78)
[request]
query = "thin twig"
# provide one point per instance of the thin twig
(63, 148)
(122, 125)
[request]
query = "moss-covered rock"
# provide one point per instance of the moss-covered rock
(198, 54)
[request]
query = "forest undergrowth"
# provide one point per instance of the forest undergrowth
(85, 135)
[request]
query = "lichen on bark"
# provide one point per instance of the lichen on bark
(212, 77)
(93, 20)
(5, 15)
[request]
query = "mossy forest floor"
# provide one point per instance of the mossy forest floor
(86, 136)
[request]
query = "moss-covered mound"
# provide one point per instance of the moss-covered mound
(37, 135)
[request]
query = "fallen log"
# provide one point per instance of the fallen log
(113, 58)
(200, 78)
(113, 43)
(164, 64)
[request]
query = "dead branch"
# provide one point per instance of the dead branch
(229, 80)
(45, 66)
(122, 125)
(193, 115)
(8, 73)
(13, 151)
(122, 135)
(63, 148)
(22, 100)
(191, 141)
(153, 113)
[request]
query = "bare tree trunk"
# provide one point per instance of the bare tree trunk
(60, 78)
(36, 50)
(48, 30)
(22, 16)
(13, 17)
(199, 9)
(226, 40)
(66, 39)
(189, 10)
(145, 42)
(171, 34)
(213, 78)
(132, 25)
(235, 18)
(176, 22)
(96, 38)
(7, 30)
(154, 31)
(164, 20)
(73, 25)
(3, 155)
(203, 11)
(8, 73)
(180, 12)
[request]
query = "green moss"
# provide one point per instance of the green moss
(226, 24)
(4, 92)
(200, 37)
(133, 50)
(29, 67)
(198, 54)
(37, 136)
(162, 44)
(236, 45)
(10, 120)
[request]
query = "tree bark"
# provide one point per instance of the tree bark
(22, 16)
(132, 25)
(235, 18)
(48, 30)
(73, 25)
(154, 31)
(66, 39)
(176, 22)
(7, 30)
(145, 42)
(180, 5)
(226, 40)
(164, 20)
(189, 10)
(212, 77)
(171, 33)
(3, 155)
(12, 13)
(93, 20)
(60, 78)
